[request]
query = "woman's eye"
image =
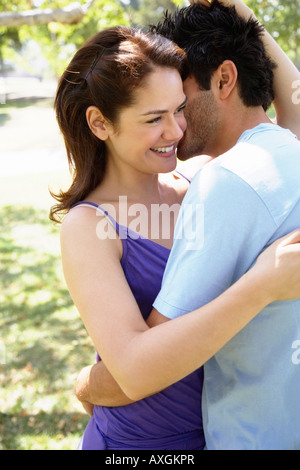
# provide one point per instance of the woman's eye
(180, 109)
(152, 121)
(158, 118)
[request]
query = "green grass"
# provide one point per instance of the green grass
(43, 343)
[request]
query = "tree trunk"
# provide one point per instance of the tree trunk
(71, 14)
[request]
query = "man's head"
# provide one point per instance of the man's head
(213, 38)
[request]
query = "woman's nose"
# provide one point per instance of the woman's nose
(174, 129)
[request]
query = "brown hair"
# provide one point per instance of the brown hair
(104, 73)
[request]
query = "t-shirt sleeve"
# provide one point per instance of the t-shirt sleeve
(223, 225)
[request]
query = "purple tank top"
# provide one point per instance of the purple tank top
(171, 419)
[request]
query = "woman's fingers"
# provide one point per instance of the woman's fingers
(203, 2)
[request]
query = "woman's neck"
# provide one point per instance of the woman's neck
(135, 185)
(149, 202)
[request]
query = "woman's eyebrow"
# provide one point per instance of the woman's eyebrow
(163, 111)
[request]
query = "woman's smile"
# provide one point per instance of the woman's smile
(165, 151)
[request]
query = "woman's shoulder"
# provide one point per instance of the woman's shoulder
(79, 218)
(87, 228)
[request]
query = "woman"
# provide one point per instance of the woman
(120, 107)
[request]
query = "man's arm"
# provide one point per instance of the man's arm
(96, 386)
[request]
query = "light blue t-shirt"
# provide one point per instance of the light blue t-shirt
(236, 206)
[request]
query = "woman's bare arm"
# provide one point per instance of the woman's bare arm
(96, 386)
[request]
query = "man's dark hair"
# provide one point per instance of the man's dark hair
(211, 35)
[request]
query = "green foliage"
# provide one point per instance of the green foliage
(60, 41)
(57, 42)
(9, 37)
(282, 20)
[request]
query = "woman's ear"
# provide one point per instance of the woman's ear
(96, 122)
(226, 79)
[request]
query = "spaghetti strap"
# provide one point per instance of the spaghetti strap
(101, 210)
(122, 231)
(183, 176)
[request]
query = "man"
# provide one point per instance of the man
(248, 196)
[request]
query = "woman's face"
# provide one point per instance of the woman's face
(148, 132)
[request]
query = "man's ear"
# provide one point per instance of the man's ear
(96, 122)
(225, 79)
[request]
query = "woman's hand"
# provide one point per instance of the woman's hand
(203, 2)
(278, 267)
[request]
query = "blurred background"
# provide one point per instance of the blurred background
(43, 343)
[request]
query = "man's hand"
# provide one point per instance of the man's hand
(82, 389)
(88, 407)
(96, 386)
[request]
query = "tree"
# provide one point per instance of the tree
(59, 27)
(71, 14)
(58, 31)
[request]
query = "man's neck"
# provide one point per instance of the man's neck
(232, 129)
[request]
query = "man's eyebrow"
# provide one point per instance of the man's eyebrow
(163, 111)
